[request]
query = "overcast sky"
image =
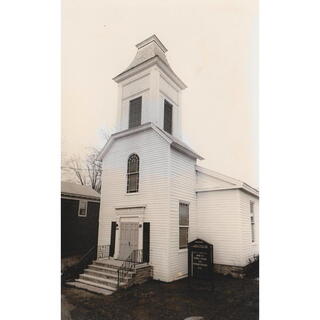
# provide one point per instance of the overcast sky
(212, 46)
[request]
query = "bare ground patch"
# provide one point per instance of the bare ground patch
(231, 299)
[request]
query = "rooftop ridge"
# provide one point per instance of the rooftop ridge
(152, 38)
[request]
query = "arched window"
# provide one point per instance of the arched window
(133, 174)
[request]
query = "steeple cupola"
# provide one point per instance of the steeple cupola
(149, 90)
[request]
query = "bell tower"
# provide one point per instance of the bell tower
(149, 90)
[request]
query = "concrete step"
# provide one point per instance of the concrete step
(107, 275)
(102, 268)
(99, 280)
(97, 285)
(91, 288)
(107, 264)
(107, 270)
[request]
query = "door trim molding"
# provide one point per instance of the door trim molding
(137, 216)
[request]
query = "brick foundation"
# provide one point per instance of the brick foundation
(142, 274)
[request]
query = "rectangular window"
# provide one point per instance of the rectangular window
(252, 221)
(133, 182)
(135, 112)
(251, 207)
(167, 122)
(183, 225)
(82, 212)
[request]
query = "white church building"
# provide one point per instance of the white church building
(155, 198)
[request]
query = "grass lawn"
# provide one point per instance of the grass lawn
(230, 299)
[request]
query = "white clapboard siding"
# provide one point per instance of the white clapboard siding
(219, 224)
(182, 188)
(136, 86)
(249, 249)
(153, 191)
(221, 217)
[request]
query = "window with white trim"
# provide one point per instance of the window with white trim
(252, 221)
(82, 212)
(183, 225)
(133, 174)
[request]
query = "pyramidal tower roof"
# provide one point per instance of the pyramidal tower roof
(147, 49)
(151, 51)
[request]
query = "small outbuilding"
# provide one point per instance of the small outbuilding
(79, 219)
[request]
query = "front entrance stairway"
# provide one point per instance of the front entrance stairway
(106, 276)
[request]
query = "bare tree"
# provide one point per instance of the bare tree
(106, 134)
(75, 166)
(87, 172)
(94, 169)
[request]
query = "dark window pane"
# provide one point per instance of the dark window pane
(183, 237)
(167, 124)
(133, 164)
(133, 174)
(183, 214)
(82, 208)
(135, 112)
(251, 207)
(133, 182)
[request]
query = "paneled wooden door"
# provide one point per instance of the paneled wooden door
(129, 234)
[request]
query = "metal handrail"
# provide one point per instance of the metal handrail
(75, 270)
(103, 251)
(96, 252)
(134, 258)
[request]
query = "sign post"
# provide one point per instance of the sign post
(200, 261)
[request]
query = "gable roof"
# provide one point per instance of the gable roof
(173, 141)
(198, 240)
(78, 190)
(179, 144)
(218, 175)
(151, 51)
(234, 183)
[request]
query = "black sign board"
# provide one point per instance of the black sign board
(200, 260)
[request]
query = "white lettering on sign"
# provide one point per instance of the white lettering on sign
(200, 264)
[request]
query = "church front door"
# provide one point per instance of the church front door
(129, 232)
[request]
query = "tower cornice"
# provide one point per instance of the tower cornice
(151, 51)
(155, 39)
(156, 60)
